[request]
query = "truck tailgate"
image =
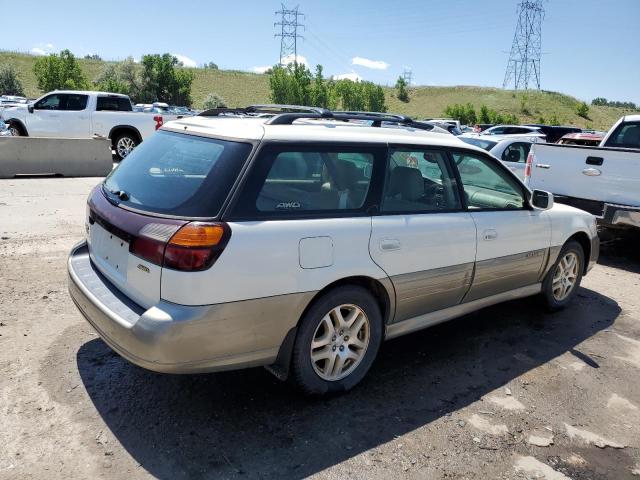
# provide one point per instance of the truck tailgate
(609, 175)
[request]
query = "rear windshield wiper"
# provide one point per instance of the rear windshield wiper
(121, 194)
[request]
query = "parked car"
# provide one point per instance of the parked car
(300, 242)
(555, 132)
(82, 114)
(512, 150)
(584, 139)
(449, 127)
(481, 127)
(603, 180)
(519, 130)
(450, 121)
(4, 130)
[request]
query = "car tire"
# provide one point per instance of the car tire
(563, 279)
(124, 143)
(337, 341)
(16, 130)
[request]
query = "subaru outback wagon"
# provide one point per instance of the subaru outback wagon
(301, 241)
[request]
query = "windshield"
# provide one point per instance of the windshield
(177, 174)
(478, 142)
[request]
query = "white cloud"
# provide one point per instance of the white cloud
(353, 76)
(186, 61)
(42, 49)
(373, 64)
(262, 69)
(290, 59)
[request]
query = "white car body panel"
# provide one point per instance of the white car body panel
(262, 259)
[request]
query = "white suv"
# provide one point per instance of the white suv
(301, 241)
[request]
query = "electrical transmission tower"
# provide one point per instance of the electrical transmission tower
(407, 74)
(289, 32)
(524, 60)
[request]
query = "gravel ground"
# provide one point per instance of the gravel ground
(508, 392)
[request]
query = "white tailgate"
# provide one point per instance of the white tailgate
(136, 278)
(563, 170)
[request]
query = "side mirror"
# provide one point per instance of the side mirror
(542, 200)
(30, 108)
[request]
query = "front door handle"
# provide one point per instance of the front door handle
(543, 165)
(489, 235)
(591, 172)
(389, 244)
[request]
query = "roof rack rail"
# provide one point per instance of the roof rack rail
(377, 119)
(253, 110)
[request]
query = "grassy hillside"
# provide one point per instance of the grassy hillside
(243, 88)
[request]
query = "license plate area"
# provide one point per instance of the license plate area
(109, 251)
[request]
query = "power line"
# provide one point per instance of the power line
(288, 32)
(523, 66)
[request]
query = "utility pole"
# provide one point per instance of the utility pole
(288, 32)
(407, 75)
(523, 66)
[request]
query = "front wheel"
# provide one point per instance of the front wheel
(15, 130)
(337, 341)
(124, 144)
(563, 279)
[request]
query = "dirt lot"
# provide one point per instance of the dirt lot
(479, 397)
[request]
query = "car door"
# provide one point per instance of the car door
(60, 115)
(515, 157)
(512, 238)
(421, 237)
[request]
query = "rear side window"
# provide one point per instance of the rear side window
(295, 180)
(516, 152)
(626, 136)
(177, 174)
(114, 104)
(73, 102)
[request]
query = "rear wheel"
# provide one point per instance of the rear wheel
(563, 279)
(337, 341)
(124, 144)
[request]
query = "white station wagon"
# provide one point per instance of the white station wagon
(301, 240)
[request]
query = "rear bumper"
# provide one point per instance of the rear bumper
(175, 338)
(621, 215)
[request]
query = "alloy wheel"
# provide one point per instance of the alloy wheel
(125, 146)
(565, 276)
(340, 342)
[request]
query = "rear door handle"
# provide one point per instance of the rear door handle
(543, 165)
(389, 244)
(591, 172)
(489, 235)
(595, 160)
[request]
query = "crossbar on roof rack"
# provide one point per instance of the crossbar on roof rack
(253, 110)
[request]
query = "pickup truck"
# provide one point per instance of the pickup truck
(84, 114)
(603, 180)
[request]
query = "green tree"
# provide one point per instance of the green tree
(582, 110)
(110, 81)
(161, 80)
(484, 115)
(600, 101)
(59, 72)
(401, 90)
(213, 100)
(319, 90)
(211, 66)
(10, 84)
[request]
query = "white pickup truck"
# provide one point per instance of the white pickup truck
(603, 180)
(83, 114)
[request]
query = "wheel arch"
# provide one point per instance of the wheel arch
(585, 242)
(381, 290)
(118, 129)
(19, 123)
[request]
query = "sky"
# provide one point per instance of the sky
(590, 47)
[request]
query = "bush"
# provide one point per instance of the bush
(213, 100)
(582, 110)
(401, 89)
(10, 84)
(161, 80)
(554, 120)
(59, 72)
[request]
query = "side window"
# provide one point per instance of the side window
(486, 185)
(118, 104)
(627, 136)
(516, 152)
(497, 131)
(307, 179)
(73, 102)
(51, 102)
(419, 181)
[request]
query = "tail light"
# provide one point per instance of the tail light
(527, 168)
(195, 246)
(159, 121)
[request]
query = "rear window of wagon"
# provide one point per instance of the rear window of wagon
(177, 174)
